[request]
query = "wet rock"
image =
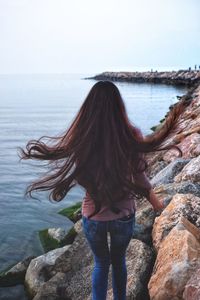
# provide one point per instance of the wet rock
(58, 234)
(72, 212)
(192, 288)
(175, 263)
(16, 274)
(167, 174)
(190, 172)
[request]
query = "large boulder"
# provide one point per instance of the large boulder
(16, 274)
(41, 268)
(167, 174)
(164, 191)
(190, 172)
(186, 205)
(189, 146)
(144, 224)
(178, 257)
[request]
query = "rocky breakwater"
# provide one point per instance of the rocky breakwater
(163, 257)
(181, 77)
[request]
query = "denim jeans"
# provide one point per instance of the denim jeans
(121, 232)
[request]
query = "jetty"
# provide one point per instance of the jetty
(181, 77)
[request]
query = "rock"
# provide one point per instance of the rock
(78, 226)
(155, 163)
(144, 224)
(167, 191)
(186, 205)
(76, 265)
(176, 261)
(53, 289)
(58, 234)
(70, 277)
(167, 174)
(190, 172)
(192, 288)
(40, 268)
(16, 274)
(54, 238)
(72, 212)
(189, 146)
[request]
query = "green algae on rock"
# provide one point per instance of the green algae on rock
(72, 212)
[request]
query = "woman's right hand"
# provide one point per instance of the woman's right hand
(157, 204)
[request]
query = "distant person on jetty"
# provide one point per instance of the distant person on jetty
(104, 153)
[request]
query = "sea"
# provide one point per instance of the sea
(34, 105)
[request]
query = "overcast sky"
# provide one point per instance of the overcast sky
(90, 36)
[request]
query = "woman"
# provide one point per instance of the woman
(104, 153)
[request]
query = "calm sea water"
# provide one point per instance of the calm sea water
(36, 105)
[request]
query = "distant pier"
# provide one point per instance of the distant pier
(181, 77)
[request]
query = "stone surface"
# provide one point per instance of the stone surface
(192, 288)
(189, 146)
(58, 234)
(16, 274)
(190, 172)
(186, 205)
(166, 192)
(144, 224)
(175, 263)
(167, 174)
(40, 268)
(78, 226)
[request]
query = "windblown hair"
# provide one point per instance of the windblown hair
(101, 150)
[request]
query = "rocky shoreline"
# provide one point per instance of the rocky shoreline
(181, 77)
(163, 257)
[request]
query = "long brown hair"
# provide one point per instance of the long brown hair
(101, 150)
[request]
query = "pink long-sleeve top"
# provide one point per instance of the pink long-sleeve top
(127, 206)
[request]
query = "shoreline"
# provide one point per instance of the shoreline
(181, 77)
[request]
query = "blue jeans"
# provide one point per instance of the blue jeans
(121, 233)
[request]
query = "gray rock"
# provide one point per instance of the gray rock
(41, 268)
(78, 226)
(190, 172)
(167, 191)
(167, 174)
(58, 234)
(144, 224)
(16, 274)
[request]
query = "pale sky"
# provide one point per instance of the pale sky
(92, 36)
